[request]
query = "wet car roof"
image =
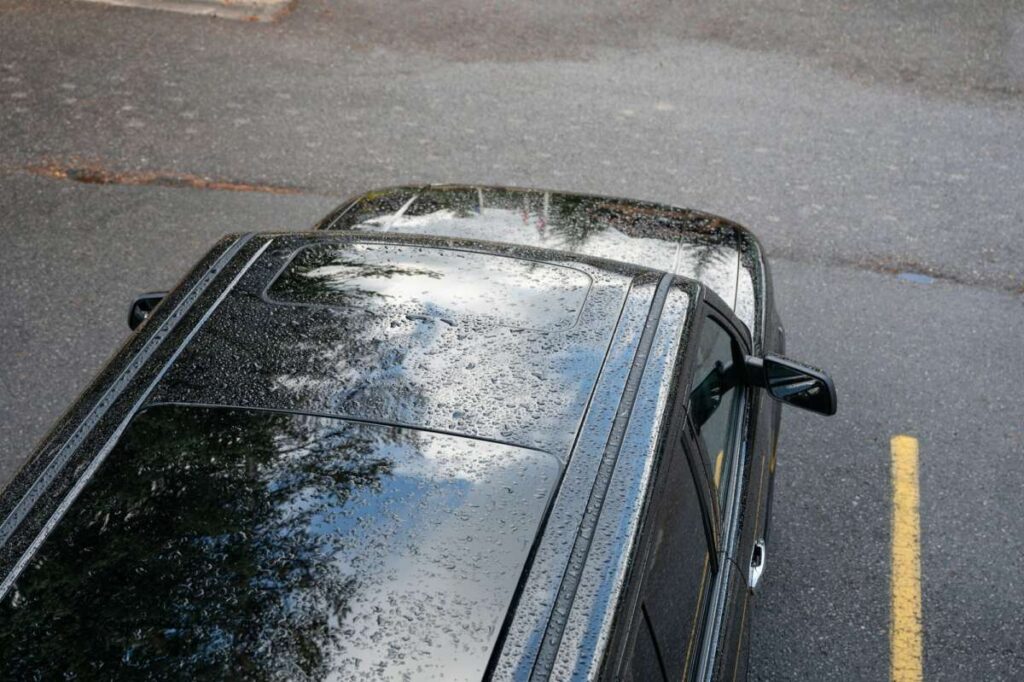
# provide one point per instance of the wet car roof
(224, 542)
(414, 331)
(700, 246)
(398, 412)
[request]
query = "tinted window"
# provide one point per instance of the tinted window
(250, 545)
(644, 663)
(677, 575)
(714, 401)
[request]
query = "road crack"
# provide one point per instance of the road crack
(97, 174)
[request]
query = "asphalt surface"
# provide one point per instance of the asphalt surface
(859, 141)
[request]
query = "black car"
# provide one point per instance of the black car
(453, 433)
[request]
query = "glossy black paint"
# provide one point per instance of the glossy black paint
(440, 365)
(231, 543)
(721, 255)
(245, 334)
(397, 326)
(800, 385)
(700, 246)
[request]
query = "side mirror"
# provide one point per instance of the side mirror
(793, 383)
(142, 306)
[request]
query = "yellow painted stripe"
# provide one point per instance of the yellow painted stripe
(719, 459)
(905, 641)
(740, 636)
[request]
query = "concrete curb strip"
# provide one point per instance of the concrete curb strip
(241, 10)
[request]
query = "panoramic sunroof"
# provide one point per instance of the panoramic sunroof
(446, 284)
(229, 543)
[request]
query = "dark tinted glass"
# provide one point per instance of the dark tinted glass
(240, 544)
(674, 590)
(378, 207)
(644, 664)
(714, 400)
(688, 243)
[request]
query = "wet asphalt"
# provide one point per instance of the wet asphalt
(859, 141)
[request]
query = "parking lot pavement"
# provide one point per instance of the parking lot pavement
(824, 168)
(925, 360)
(859, 142)
(78, 257)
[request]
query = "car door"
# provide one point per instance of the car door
(659, 631)
(718, 425)
(723, 425)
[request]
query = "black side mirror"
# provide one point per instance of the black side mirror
(142, 306)
(793, 383)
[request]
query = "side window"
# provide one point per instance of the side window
(715, 401)
(644, 663)
(676, 579)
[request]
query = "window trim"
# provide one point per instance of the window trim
(710, 306)
(706, 491)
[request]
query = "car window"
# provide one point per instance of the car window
(215, 542)
(678, 572)
(714, 401)
(645, 662)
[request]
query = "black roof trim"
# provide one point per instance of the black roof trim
(71, 443)
(581, 547)
(56, 464)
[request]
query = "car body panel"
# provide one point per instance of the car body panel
(578, 650)
(570, 361)
(692, 244)
(224, 541)
(716, 252)
(229, 338)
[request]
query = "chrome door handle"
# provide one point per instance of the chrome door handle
(757, 561)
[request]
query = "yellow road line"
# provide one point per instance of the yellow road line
(739, 638)
(905, 641)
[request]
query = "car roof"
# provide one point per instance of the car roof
(707, 248)
(298, 546)
(489, 341)
(498, 375)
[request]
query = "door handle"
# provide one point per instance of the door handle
(757, 561)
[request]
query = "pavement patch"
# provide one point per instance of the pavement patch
(902, 268)
(96, 174)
